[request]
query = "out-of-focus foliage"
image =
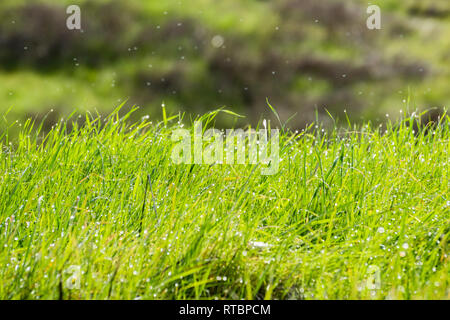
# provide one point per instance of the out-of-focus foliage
(304, 55)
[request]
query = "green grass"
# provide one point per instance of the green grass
(346, 207)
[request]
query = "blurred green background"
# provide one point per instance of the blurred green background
(198, 55)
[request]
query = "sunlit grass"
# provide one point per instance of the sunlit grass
(357, 213)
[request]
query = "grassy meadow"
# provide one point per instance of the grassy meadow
(92, 206)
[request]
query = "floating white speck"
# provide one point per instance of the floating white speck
(217, 41)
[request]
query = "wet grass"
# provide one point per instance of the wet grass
(356, 213)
